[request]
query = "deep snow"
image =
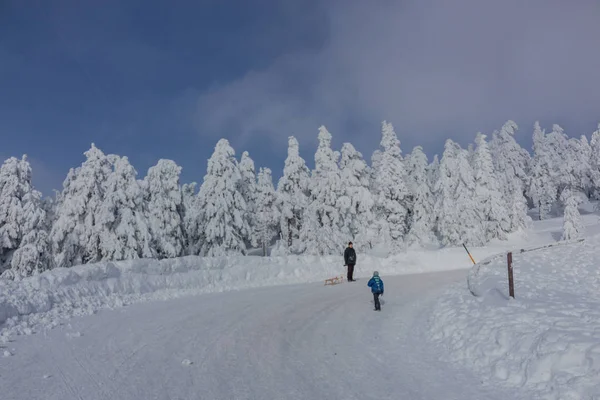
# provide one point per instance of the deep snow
(43, 301)
(547, 339)
(286, 342)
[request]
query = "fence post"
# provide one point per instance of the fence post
(511, 284)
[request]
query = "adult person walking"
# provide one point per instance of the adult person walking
(350, 260)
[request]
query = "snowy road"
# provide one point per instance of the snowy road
(290, 342)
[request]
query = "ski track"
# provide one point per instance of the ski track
(288, 342)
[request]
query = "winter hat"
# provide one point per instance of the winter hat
(375, 273)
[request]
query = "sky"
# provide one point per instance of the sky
(154, 79)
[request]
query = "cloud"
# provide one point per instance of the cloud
(432, 67)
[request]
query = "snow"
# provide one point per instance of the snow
(287, 342)
(546, 340)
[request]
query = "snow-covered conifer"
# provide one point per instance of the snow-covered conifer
(24, 245)
(492, 207)
(573, 225)
(433, 171)
(595, 163)
(391, 191)
(267, 214)
(511, 164)
(558, 146)
(249, 193)
(356, 203)
(455, 207)
(320, 233)
(423, 219)
(292, 194)
(75, 235)
(222, 206)
(191, 219)
(542, 184)
(124, 233)
(164, 209)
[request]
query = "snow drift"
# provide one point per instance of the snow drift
(547, 340)
(42, 301)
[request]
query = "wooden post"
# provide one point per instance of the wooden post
(511, 284)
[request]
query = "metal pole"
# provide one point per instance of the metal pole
(511, 284)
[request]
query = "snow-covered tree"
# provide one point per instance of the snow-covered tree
(391, 191)
(292, 194)
(583, 168)
(24, 245)
(455, 207)
(248, 190)
(542, 184)
(433, 171)
(356, 203)
(578, 165)
(558, 146)
(492, 207)
(164, 209)
(511, 164)
(124, 233)
(191, 219)
(222, 206)
(267, 214)
(595, 163)
(320, 233)
(423, 219)
(573, 225)
(75, 234)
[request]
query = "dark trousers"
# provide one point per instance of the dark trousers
(376, 299)
(350, 272)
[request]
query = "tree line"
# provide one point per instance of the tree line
(471, 196)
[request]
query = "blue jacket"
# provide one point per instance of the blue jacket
(376, 284)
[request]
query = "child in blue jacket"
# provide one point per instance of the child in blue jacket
(376, 285)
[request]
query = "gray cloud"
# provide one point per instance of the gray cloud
(435, 68)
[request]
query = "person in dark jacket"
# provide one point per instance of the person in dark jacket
(376, 285)
(350, 261)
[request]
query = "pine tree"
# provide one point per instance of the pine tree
(423, 219)
(356, 203)
(24, 245)
(249, 193)
(293, 194)
(493, 213)
(164, 209)
(542, 185)
(267, 215)
(578, 165)
(191, 219)
(222, 206)
(573, 225)
(433, 171)
(558, 146)
(320, 233)
(75, 234)
(595, 163)
(455, 208)
(392, 195)
(511, 164)
(124, 233)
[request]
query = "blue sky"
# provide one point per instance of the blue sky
(155, 79)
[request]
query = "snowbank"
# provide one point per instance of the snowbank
(547, 340)
(43, 301)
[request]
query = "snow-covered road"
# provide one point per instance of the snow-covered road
(287, 342)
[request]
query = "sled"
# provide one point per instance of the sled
(335, 280)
